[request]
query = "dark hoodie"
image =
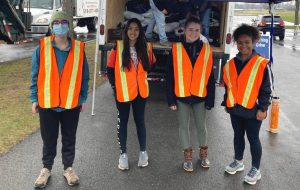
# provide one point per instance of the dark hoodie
(264, 96)
(193, 50)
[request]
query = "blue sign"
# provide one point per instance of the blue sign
(263, 46)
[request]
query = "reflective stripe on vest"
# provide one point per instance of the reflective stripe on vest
(60, 90)
(73, 75)
(180, 70)
(130, 83)
(230, 94)
(48, 61)
(188, 80)
(203, 80)
(250, 82)
(243, 89)
(122, 72)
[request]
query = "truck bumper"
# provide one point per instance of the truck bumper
(36, 29)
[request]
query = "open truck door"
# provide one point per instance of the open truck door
(220, 54)
(111, 15)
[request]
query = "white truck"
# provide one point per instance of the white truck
(111, 13)
(85, 13)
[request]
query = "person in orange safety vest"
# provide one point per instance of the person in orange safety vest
(191, 89)
(247, 97)
(58, 92)
(127, 69)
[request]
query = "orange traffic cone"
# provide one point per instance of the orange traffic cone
(274, 115)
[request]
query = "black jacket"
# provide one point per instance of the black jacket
(264, 96)
(193, 50)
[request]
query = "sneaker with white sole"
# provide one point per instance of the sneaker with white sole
(71, 176)
(43, 178)
(235, 166)
(253, 176)
(143, 159)
(123, 162)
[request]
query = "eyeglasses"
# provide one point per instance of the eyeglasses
(57, 22)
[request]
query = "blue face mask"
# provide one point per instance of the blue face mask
(60, 29)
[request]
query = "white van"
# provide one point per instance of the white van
(111, 14)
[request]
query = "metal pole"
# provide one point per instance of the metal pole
(96, 57)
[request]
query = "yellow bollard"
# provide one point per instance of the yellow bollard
(274, 115)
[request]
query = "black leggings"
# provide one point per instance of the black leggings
(138, 107)
(251, 127)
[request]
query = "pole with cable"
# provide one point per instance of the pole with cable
(274, 108)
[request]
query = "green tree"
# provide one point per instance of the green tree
(297, 13)
(67, 7)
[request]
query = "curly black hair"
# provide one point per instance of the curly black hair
(248, 30)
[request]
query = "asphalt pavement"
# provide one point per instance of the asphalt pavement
(97, 148)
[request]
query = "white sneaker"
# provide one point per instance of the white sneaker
(235, 166)
(253, 176)
(143, 159)
(123, 162)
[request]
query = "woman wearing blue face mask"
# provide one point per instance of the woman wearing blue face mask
(58, 91)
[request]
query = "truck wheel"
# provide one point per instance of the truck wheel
(281, 37)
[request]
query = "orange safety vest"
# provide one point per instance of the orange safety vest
(130, 83)
(188, 80)
(59, 90)
(243, 89)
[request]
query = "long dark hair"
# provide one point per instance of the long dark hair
(140, 46)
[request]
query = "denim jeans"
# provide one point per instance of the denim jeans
(205, 19)
(158, 18)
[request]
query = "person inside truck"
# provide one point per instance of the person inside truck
(58, 92)
(127, 68)
(191, 89)
(202, 9)
(159, 9)
(247, 97)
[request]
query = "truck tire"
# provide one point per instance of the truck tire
(281, 37)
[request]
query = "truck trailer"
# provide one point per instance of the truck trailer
(111, 16)
(85, 12)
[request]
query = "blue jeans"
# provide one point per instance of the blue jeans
(158, 18)
(204, 17)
